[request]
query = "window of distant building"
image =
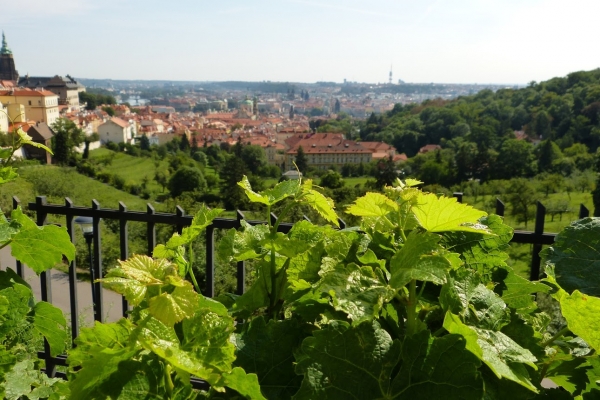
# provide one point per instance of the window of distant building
(29, 102)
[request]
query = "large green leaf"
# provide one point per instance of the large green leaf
(271, 196)
(7, 174)
(245, 244)
(266, 349)
(7, 361)
(575, 256)
(372, 205)
(7, 229)
(481, 252)
(445, 214)
(516, 291)
(114, 336)
(420, 258)
(40, 247)
(341, 362)
(357, 291)
(245, 384)
(19, 298)
(173, 307)
(50, 322)
(582, 313)
(321, 204)
(26, 380)
(500, 353)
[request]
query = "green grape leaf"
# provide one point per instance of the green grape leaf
(40, 247)
(7, 361)
(4, 305)
(90, 341)
(356, 291)
(245, 384)
(284, 245)
(446, 214)
(245, 244)
(24, 138)
(321, 204)
(19, 298)
(203, 218)
(481, 252)
(341, 362)
(582, 313)
(23, 377)
(500, 353)
(569, 374)
(207, 335)
(173, 307)
(372, 205)
(419, 259)
(575, 256)
(7, 174)
(271, 196)
(518, 292)
(266, 349)
(7, 229)
(50, 322)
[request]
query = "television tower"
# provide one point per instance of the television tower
(390, 74)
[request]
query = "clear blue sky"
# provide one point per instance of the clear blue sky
(454, 41)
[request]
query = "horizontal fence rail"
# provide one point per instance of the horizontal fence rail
(178, 221)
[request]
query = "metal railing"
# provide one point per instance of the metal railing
(179, 220)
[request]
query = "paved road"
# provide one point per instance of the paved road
(60, 293)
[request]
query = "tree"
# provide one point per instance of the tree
(386, 172)
(184, 145)
(301, 160)
(194, 145)
(66, 136)
(337, 106)
(332, 180)
(522, 199)
(162, 178)
(548, 152)
(186, 179)
(233, 171)
(109, 110)
(144, 142)
(515, 159)
(254, 157)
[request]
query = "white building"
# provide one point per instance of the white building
(116, 130)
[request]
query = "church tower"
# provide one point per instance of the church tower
(7, 63)
(390, 75)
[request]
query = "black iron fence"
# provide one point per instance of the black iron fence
(179, 220)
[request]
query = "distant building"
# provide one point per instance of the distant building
(67, 88)
(324, 150)
(40, 105)
(3, 119)
(429, 147)
(7, 63)
(115, 130)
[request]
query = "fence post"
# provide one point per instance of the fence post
(124, 245)
(98, 301)
(179, 214)
(342, 223)
(458, 196)
(151, 230)
(241, 265)
(539, 230)
(46, 283)
(16, 204)
(72, 276)
(499, 207)
(583, 211)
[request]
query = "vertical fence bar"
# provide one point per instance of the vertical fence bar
(151, 230)
(16, 204)
(124, 244)
(342, 223)
(499, 207)
(46, 284)
(209, 290)
(583, 211)
(97, 241)
(273, 218)
(72, 276)
(241, 265)
(540, 216)
(179, 214)
(458, 196)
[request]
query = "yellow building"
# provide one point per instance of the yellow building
(40, 105)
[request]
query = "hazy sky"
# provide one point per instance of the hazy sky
(454, 41)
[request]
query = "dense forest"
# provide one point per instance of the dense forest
(560, 119)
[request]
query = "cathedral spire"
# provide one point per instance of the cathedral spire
(5, 49)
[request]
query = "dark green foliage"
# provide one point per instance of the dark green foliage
(144, 142)
(301, 160)
(596, 198)
(66, 137)
(186, 179)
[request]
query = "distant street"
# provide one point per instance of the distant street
(60, 293)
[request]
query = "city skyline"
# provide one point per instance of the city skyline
(492, 41)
